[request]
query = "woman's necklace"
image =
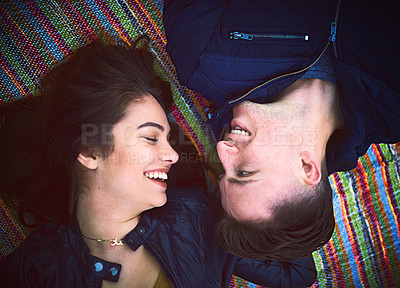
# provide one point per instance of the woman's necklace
(113, 241)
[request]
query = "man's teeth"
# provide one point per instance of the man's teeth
(240, 131)
(155, 175)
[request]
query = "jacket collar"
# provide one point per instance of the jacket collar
(101, 269)
(142, 231)
(134, 239)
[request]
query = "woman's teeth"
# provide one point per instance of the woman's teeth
(240, 131)
(156, 175)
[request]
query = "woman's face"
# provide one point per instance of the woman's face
(135, 172)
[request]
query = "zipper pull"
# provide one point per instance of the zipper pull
(239, 35)
(333, 32)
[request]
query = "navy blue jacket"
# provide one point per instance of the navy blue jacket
(179, 235)
(236, 50)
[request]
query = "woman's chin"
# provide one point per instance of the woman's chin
(161, 200)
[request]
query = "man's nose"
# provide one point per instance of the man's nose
(226, 151)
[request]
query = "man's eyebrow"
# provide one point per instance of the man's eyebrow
(239, 182)
(151, 124)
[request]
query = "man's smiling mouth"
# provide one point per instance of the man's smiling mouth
(240, 131)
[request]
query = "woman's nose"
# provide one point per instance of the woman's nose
(169, 155)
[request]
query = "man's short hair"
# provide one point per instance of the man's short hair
(298, 227)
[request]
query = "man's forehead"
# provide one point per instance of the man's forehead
(254, 197)
(244, 203)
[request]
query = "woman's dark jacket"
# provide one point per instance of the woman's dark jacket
(223, 49)
(179, 235)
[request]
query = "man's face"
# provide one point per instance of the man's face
(256, 156)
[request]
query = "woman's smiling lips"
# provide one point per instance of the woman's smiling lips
(158, 176)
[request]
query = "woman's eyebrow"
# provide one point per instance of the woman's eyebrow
(151, 124)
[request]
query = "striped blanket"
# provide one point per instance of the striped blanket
(34, 35)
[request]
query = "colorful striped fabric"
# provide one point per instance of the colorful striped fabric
(365, 247)
(34, 35)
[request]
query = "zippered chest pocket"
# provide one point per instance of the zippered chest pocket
(237, 35)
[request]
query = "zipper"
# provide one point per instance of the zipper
(332, 39)
(246, 36)
(281, 76)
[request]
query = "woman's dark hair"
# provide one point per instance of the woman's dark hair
(297, 228)
(190, 168)
(78, 103)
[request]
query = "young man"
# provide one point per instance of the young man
(302, 89)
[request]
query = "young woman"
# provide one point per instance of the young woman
(90, 159)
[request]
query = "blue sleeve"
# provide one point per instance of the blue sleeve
(189, 25)
(297, 273)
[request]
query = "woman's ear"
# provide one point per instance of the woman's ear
(88, 159)
(311, 170)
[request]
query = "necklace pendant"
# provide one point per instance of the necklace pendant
(116, 242)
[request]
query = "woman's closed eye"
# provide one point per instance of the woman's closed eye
(151, 139)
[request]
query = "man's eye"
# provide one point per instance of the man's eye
(243, 173)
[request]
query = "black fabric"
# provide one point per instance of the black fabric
(365, 54)
(179, 235)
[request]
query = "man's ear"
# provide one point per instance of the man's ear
(87, 159)
(311, 170)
